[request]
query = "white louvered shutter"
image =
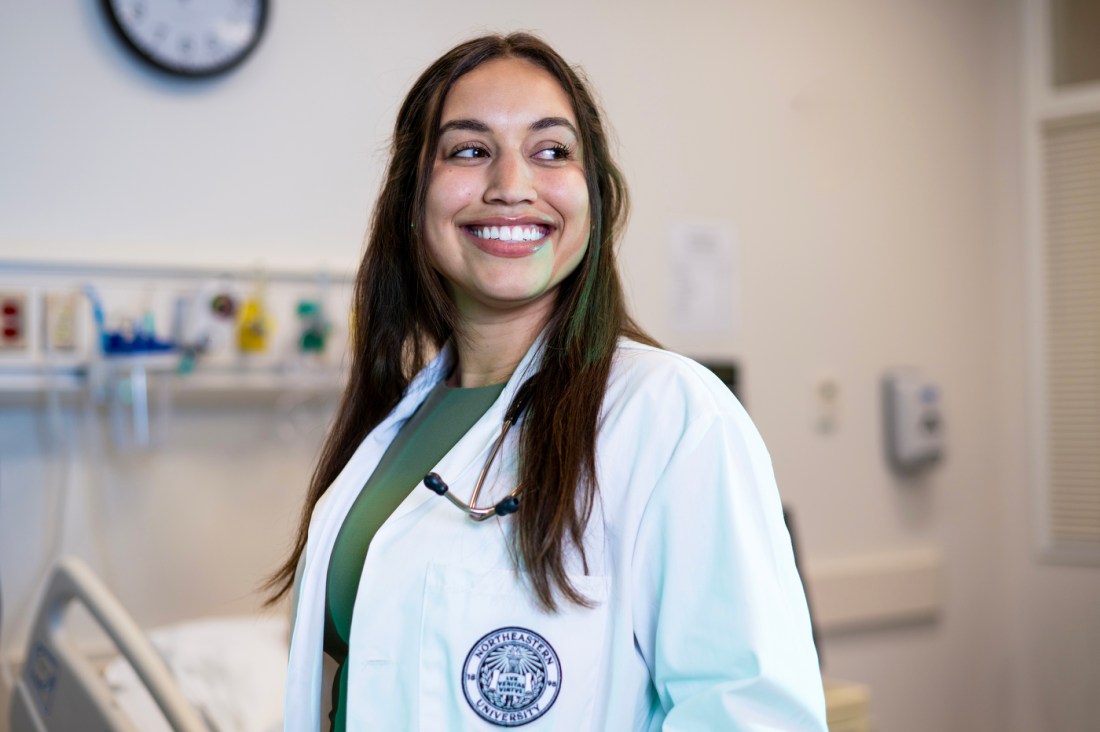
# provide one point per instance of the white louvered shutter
(1071, 323)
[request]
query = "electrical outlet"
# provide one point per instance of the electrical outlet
(13, 321)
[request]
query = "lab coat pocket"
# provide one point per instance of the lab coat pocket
(491, 658)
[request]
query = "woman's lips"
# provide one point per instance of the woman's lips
(518, 240)
(514, 232)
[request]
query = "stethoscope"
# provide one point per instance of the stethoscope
(510, 503)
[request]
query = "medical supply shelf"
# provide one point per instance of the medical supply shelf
(71, 326)
(55, 311)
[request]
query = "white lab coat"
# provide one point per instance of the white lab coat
(700, 623)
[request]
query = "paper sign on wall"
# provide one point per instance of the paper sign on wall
(705, 288)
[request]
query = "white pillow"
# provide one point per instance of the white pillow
(232, 669)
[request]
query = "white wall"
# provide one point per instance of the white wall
(862, 152)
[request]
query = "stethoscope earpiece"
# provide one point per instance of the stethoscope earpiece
(435, 484)
(507, 506)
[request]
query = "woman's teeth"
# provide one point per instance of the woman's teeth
(508, 233)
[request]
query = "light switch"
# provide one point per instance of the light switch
(826, 405)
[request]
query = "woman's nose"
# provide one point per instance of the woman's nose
(511, 180)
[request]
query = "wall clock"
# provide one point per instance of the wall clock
(192, 38)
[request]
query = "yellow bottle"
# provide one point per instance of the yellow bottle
(253, 325)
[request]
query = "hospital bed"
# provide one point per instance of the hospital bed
(192, 677)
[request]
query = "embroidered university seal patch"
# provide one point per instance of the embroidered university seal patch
(511, 677)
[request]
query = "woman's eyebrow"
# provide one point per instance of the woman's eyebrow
(547, 122)
(470, 125)
(473, 125)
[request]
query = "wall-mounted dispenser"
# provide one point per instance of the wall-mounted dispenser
(913, 417)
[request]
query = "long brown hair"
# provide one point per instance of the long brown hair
(403, 314)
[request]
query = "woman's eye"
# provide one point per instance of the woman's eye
(554, 152)
(470, 151)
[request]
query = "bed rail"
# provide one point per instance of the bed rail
(59, 690)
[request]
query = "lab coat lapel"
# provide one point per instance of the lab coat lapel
(303, 711)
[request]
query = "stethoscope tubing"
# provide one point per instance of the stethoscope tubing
(510, 503)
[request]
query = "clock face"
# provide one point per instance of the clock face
(189, 37)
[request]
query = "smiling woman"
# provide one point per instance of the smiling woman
(507, 212)
(488, 298)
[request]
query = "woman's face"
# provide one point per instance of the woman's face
(507, 216)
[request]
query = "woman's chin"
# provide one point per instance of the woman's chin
(516, 301)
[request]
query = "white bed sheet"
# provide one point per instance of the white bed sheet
(233, 670)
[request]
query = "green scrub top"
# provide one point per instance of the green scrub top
(440, 422)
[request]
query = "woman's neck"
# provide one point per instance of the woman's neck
(489, 348)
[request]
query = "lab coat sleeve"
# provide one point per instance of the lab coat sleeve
(720, 615)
